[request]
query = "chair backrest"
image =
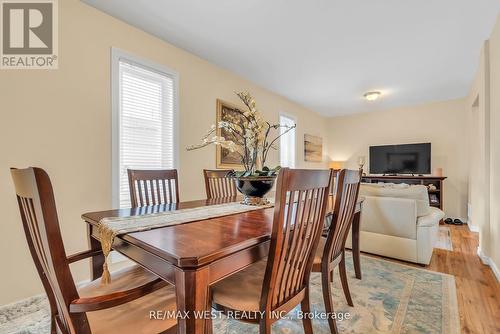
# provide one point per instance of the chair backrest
(153, 187)
(218, 184)
(346, 196)
(299, 212)
(41, 226)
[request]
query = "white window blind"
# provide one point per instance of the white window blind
(146, 122)
(287, 143)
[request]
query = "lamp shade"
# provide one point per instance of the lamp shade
(336, 164)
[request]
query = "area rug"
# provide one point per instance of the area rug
(391, 298)
(444, 239)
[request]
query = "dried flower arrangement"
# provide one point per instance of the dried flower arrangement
(250, 138)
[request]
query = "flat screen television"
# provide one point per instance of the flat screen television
(401, 159)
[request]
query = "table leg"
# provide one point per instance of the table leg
(355, 244)
(191, 288)
(97, 261)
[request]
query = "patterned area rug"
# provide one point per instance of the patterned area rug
(391, 298)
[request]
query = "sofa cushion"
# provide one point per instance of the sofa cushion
(417, 192)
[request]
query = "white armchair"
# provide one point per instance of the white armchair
(397, 222)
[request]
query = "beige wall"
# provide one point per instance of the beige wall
(495, 146)
(477, 134)
(61, 120)
(483, 115)
(442, 124)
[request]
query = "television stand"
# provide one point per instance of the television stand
(435, 196)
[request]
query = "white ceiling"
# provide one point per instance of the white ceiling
(325, 54)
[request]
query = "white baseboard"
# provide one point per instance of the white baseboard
(12, 304)
(489, 262)
(473, 228)
(43, 294)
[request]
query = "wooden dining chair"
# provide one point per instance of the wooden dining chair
(218, 184)
(279, 283)
(331, 250)
(153, 187)
(120, 307)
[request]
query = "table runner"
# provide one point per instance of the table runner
(109, 228)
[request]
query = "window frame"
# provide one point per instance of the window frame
(294, 119)
(118, 55)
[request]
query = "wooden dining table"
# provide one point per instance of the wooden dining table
(194, 255)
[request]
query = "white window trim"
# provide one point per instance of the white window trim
(294, 118)
(116, 56)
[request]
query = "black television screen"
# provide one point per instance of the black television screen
(401, 159)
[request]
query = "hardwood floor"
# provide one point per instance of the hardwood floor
(478, 291)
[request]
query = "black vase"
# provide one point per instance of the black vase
(254, 188)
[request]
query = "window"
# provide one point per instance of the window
(144, 120)
(287, 143)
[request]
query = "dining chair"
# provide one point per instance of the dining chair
(218, 184)
(120, 307)
(276, 285)
(331, 250)
(152, 187)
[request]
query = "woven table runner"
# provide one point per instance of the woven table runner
(109, 228)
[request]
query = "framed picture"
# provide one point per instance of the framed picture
(226, 159)
(313, 148)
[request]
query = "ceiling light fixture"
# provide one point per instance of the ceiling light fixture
(372, 96)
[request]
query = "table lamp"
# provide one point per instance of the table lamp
(336, 164)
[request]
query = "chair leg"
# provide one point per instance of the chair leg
(265, 326)
(345, 283)
(208, 321)
(53, 329)
(208, 325)
(306, 309)
(327, 298)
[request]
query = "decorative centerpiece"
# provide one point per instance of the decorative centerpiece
(249, 137)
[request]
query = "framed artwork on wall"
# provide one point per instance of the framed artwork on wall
(313, 148)
(226, 159)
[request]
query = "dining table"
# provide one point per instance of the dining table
(194, 255)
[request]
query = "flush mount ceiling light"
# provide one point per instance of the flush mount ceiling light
(372, 96)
